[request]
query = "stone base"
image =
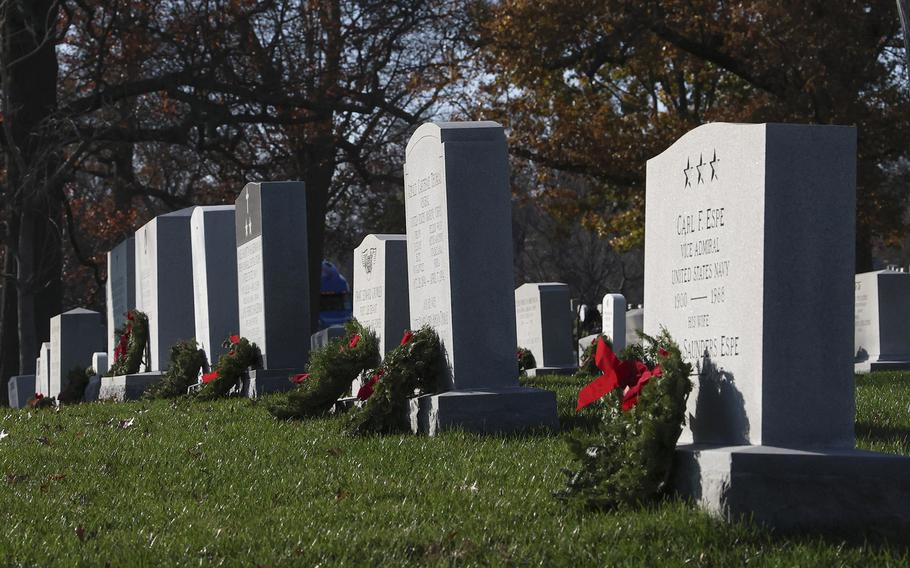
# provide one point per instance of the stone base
(550, 371)
(833, 491)
(126, 387)
(263, 381)
(872, 366)
(487, 411)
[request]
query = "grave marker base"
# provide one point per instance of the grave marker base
(127, 387)
(263, 381)
(484, 410)
(870, 366)
(797, 490)
(536, 372)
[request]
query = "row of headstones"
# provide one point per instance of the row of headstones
(749, 248)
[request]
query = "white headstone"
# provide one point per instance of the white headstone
(543, 319)
(164, 283)
(742, 222)
(273, 280)
(75, 335)
(614, 320)
(120, 289)
(100, 366)
(458, 216)
(381, 288)
(43, 370)
(882, 321)
(214, 250)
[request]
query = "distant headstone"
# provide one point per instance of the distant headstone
(458, 217)
(75, 335)
(324, 336)
(214, 248)
(164, 283)
(273, 280)
(614, 320)
(543, 319)
(584, 343)
(742, 222)
(882, 321)
(20, 388)
(100, 366)
(635, 322)
(381, 288)
(120, 289)
(43, 370)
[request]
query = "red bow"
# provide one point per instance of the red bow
(366, 391)
(297, 379)
(406, 337)
(209, 377)
(630, 375)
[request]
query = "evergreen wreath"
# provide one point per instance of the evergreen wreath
(231, 366)
(525, 359)
(411, 368)
(186, 362)
(40, 401)
(331, 371)
(76, 382)
(132, 345)
(641, 401)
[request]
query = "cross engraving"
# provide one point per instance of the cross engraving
(248, 226)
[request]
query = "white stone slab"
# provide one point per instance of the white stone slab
(381, 288)
(742, 222)
(882, 321)
(214, 250)
(164, 283)
(458, 217)
(614, 320)
(75, 336)
(120, 289)
(543, 320)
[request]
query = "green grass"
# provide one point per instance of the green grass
(224, 483)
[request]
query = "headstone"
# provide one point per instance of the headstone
(458, 217)
(100, 366)
(614, 320)
(381, 288)
(882, 321)
(164, 283)
(214, 247)
(20, 388)
(584, 343)
(742, 222)
(75, 335)
(43, 370)
(635, 322)
(543, 319)
(324, 336)
(120, 289)
(273, 280)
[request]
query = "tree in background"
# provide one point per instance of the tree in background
(156, 105)
(596, 87)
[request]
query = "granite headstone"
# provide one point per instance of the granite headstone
(882, 321)
(75, 335)
(20, 388)
(273, 281)
(614, 320)
(120, 289)
(460, 282)
(381, 288)
(543, 320)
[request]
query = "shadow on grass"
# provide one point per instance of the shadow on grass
(881, 433)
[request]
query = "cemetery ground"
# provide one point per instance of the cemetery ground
(157, 483)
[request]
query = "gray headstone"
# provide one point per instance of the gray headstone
(543, 320)
(322, 337)
(75, 335)
(273, 280)
(458, 216)
(635, 322)
(742, 222)
(381, 288)
(614, 320)
(214, 247)
(164, 283)
(882, 321)
(21, 388)
(99, 364)
(120, 289)
(43, 369)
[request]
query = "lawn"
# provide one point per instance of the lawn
(162, 483)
